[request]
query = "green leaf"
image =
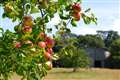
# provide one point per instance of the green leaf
(67, 30)
(34, 9)
(64, 16)
(74, 23)
(87, 10)
(1, 29)
(4, 15)
(49, 30)
(46, 19)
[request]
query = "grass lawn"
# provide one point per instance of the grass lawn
(83, 74)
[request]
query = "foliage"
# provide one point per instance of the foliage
(90, 41)
(7, 53)
(28, 50)
(74, 57)
(71, 55)
(20, 60)
(108, 37)
(115, 54)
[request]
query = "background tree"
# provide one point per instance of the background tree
(89, 41)
(115, 54)
(74, 58)
(108, 37)
(70, 54)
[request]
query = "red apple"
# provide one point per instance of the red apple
(50, 42)
(27, 18)
(47, 55)
(76, 7)
(42, 44)
(42, 35)
(27, 29)
(76, 16)
(18, 45)
(27, 21)
(49, 65)
(50, 50)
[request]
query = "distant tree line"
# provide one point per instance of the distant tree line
(109, 40)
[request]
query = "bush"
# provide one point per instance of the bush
(73, 57)
(115, 54)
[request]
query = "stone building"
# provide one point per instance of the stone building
(98, 56)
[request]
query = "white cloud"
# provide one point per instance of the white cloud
(84, 30)
(55, 20)
(116, 25)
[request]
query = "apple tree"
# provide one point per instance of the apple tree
(28, 51)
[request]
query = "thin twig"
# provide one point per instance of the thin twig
(68, 22)
(42, 14)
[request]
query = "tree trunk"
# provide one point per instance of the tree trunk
(75, 69)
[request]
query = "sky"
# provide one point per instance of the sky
(107, 12)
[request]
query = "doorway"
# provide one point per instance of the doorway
(97, 63)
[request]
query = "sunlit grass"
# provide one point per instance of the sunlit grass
(83, 74)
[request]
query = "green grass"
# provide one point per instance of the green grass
(83, 74)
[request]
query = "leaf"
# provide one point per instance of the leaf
(46, 19)
(55, 57)
(1, 29)
(34, 9)
(87, 10)
(73, 22)
(66, 53)
(4, 15)
(67, 30)
(64, 16)
(49, 30)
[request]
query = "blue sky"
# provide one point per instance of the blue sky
(107, 12)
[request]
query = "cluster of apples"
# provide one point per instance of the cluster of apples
(27, 24)
(76, 9)
(26, 29)
(46, 43)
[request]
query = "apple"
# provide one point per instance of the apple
(28, 42)
(42, 44)
(76, 7)
(27, 29)
(27, 18)
(42, 35)
(27, 21)
(50, 50)
(47, 55)
(50, 42)
(8, 8)
(49, 65)
(76, 16)
(18, 45)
